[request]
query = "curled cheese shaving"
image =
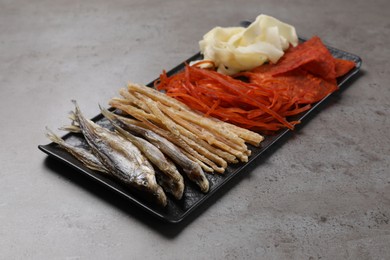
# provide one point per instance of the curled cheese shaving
(235, 49)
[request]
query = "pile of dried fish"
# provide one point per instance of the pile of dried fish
(155, 139)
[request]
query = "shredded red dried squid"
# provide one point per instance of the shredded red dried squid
(268, 95)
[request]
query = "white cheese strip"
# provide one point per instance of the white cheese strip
(234, 49)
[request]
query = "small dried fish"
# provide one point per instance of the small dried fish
(192, 169)
(123, 160)
(82, 154)
(169, 177)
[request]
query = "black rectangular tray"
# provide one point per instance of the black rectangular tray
(176, 211)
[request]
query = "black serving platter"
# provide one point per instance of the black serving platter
(176, 211)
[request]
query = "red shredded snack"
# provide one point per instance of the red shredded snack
(312, 56)
(229, 99)
(307, 73)
(303, 87)
(271, 93)
(342, 67)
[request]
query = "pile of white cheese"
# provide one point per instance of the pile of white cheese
(235, 49)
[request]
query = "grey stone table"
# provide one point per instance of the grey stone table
(322, 193)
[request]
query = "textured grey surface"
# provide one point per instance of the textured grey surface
(322, 193)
